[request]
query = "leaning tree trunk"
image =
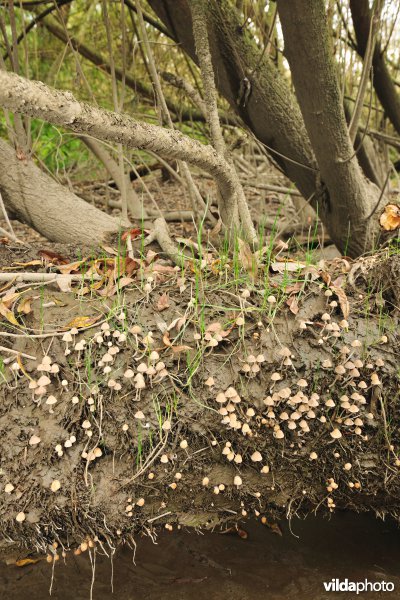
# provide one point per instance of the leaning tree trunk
(34, 198)
(270, 111)
(383, 83)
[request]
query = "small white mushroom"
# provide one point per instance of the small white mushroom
(34, 440)
(335, 434)
(55, 485)
(43, 381)
(256, 456)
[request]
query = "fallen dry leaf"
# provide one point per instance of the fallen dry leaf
(287, 266)
(134, 233)
(71, 267)
(175, 349)
(163, 302)
(390, 218)
(110, 250)
(25, 306)
(178, 323)
(217, 328)
(64, 283)
(343, 301)
(8, 314)
(23, 562)
(82, 322)
(293, 304)
(53, 257)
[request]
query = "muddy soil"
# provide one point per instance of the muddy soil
(184, 566)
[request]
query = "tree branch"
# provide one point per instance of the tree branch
(61, 108)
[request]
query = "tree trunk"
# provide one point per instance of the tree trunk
(36, 199)
(383, 83)
(352, 197)
(273, 115)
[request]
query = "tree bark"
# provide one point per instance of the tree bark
(36, 199)
(61, 108)
(271, 111)
(135, 206)
(383, 83)
(351, 197)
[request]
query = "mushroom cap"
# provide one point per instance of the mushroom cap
(55, 485)
(43, 381)
(276, 377)
(256, 456)
(231, 392)
(237, 480)
(336, 434)
(34, 440)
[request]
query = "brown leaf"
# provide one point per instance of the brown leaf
(9, 299)
(6, 312)
(134, 233)
(175, 349)
(110, 250)
(217, 328)
(293, 304)
(162, 268)
(64, 282)
(25, 306)
(343, 300)
(178, 323)
(163, 302)
(23, 562)
(287, 266)
(53, 257)
(82, 322)
(326, 278)
(390, 218)
(71, 267)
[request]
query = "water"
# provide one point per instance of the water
(212, 566)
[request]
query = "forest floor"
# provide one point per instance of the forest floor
(140, 396)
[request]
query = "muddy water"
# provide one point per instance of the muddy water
(185, 566)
